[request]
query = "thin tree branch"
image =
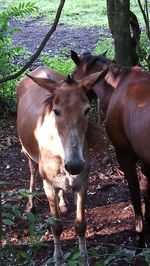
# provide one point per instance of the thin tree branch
(145, 18)
(135, 27)
(43, 43)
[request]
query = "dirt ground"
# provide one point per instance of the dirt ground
(109, 213)
(62, 40)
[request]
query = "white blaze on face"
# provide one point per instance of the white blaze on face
(46, 134)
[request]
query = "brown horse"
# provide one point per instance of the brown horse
(52, 122)
(125, 95)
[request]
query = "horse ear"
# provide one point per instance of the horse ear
(75, 57)
(45, 83)
(88, 82)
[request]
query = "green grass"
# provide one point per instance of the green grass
(77, 13)
(103, 45)
(60, 64)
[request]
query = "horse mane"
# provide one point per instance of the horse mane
(48, 107)
(117, 71)
(91, 60)
(69, 79)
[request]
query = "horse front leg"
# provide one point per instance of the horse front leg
(127, 163)
(56, 223)
(80, 225)
(63, 204)
(33, 175)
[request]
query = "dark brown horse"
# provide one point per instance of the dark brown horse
(52, 122)
(125, 95)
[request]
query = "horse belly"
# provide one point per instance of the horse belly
(115, 127)
(28, 141)
(137, 129)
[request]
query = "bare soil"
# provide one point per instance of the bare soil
(62, 40)
(109, 213)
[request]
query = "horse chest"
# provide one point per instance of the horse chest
(52, 168)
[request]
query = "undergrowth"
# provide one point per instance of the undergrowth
(23, 240)
(9, 53)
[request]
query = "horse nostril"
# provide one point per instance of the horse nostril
(74, 168)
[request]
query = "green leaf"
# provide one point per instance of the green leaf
(7, 215)
(92, 252)
(128, 254)
(72, 263)
(1, 146)
(16, 212)
(8, 222)
(22, 254)
(26, 193)
(146, 254)
(38, 244)
(110, 259)
(76, 256)
(49, 262)
(99, 263)
(67, 255)
(7, 205)
(5, 183)
(31, 217)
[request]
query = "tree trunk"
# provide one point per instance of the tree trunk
(110, 15)
(118, 12)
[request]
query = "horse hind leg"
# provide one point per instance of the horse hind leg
(127, 161)
(33, 174)
(145, 189)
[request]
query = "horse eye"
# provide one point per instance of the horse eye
(57, 112)
(87, 110)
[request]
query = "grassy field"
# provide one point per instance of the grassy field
(77, 13)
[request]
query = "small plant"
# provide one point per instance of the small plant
(14, 220)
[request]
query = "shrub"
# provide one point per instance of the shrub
(10, 54)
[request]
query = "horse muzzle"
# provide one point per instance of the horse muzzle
(74, 168)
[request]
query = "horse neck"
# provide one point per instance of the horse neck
(106, 87)
(104, 92)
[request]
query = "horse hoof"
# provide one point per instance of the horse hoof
(31, 209)
(140, 243)
(63, 209)
(147, 227)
